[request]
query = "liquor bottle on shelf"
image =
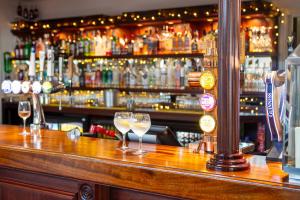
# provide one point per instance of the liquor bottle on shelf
(81, 76)
(163, 71)
(87, 48)
(195, 47)
(17, 50)
(40, 46)
(187, 41)
(92, 44)
(27, 48)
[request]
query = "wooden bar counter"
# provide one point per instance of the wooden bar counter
(54, 167)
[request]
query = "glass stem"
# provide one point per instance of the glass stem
(124, 141)
(140, 144)
(24, 127)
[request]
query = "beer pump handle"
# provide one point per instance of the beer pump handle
(50, 62)
(274, 103)
(31, 71)
(60, 68)
(42, 64)
(60, 77)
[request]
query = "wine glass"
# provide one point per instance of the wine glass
(24, 111)
(140, 123)
(121, 122)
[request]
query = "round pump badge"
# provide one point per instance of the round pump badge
(207, 102)
(16, 87)
(25, 87)
(47, 87)
(36, 87)
(207, 80)
(6, 86)
(207, 123)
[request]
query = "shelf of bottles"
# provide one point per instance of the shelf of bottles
(153, 60)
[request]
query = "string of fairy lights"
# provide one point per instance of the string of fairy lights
(202, 13)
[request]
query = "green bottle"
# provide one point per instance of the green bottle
(104, 75)
(7, 62)
(27, 49)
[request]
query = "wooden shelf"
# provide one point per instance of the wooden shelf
(261, 54)
(141, 89)
(252, 94)
(169, 55)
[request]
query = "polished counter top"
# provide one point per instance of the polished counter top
(174, 171)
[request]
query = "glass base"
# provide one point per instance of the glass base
(124, 149)
(24, 133)
(140, 152)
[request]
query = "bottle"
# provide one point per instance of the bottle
(180, 42)
(116, 76)
(17, 50)
(129, 47)
(132, 75)
(151, 79)
(47, 42)
(107, 45)
(168, 41)
(21, 50)
(68, 45)
(40, 46)
(31, 14)
(104, 75)
(145, 77)
(195, 42)
(92, 44)
(182, 76)
(87, 75)
(163, 69)
(113, 43)
(78, 45)
(145, 45)
(162, 40)
(7, 62)
(150, 43)
(175, 40)
(98, 76)
(81, 45)
(36, 13)
(20, 11)
(27, 48)
(187, 41)
(170, 73)
(81, 76)
(73, 46)
(157, 75)
(109, 76)
(177, 74)
(86, 42)
(25, 13)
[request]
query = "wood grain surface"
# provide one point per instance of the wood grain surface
(166, 170)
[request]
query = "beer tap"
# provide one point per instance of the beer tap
(38, 113)
(60, 77)
(34, 87)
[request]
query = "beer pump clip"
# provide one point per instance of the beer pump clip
(274, 105)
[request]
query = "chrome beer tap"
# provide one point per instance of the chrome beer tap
(34, 88)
